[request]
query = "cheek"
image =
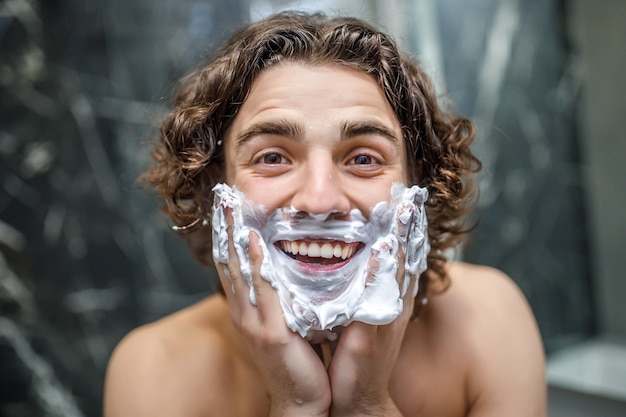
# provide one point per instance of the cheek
(261, 192)
(367, 195)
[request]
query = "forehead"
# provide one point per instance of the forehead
(331, 91)
(315, 105)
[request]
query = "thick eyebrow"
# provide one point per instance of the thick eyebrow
(282, 127)
(291, 129)
(358, 128)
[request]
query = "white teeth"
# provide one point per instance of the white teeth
(337, 251)
(325, 250)
(314, 250)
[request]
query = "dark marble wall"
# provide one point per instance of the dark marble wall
(510, 66)
(85, 255)
(514, 69)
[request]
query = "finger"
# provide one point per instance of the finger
(235, 286)
(382, 258)
(268, 303)
(388, 257)
(408, 303)
(228, 273)
(372, 267)
(229, 292)
(239, 286)
(400, 274)
(409, 298)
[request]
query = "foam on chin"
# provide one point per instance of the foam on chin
(317, 298)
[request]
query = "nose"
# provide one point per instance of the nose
(321, 191)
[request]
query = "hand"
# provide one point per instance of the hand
(365, 358)
(295, 377)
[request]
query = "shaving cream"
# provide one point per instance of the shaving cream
(317, 297)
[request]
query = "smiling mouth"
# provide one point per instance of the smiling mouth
(320, 252)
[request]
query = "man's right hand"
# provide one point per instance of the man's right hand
(295, 376)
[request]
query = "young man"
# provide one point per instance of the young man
(319, 118)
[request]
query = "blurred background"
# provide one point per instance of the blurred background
(85, 256)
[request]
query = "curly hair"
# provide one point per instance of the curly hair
(188, 160)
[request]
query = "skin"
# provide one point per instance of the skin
(325, 139)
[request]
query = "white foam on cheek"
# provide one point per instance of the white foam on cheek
(412, 230)
(381, 302)
(315, 300)
(225, 198)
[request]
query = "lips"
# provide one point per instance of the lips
(323, 252)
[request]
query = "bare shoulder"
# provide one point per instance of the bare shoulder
(504, 352)
(486, 287)
(182, 365)
(481, 299)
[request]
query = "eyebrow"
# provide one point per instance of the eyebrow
(352, 129)
(290, 129)
(281, 127)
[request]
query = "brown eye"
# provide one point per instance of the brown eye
(272, 158)
(363, 160)
(365, 163)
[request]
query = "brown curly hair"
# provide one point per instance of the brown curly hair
(189, 160)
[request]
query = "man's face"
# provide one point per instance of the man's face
(319, 147)
(316, 138)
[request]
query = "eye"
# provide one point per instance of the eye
(365, 162)
(362, 160)
(272, 158)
